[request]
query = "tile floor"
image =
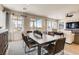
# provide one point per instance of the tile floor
(17, 48)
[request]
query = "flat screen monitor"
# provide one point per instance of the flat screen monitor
(72, 25)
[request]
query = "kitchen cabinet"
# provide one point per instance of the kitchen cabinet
(3, 42)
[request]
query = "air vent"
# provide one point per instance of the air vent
(69, 15)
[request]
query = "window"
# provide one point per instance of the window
(36, 23)
(39, 23)
(31, 23)
(17, 22)
(54, 24)
(51, 24)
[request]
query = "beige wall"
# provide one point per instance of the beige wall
(74, 18)
(68, 34)
(26, 23)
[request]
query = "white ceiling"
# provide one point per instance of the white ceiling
(57, 11)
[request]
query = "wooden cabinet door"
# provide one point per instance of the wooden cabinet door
(3, 42)
(76, 39)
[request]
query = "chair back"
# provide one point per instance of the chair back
(29, 31)
(25, 38)
(38, 32)
(59, 45)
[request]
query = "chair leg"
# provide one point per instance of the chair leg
(63, 52)
(25, 49)
(29, 51)
(23, 44)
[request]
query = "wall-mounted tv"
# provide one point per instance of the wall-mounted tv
(72, 25)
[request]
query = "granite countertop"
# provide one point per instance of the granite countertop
(3, 30)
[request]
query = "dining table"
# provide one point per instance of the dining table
(46, 39)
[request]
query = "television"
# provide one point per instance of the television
(72, 25)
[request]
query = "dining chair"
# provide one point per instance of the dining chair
(55, 48)
(29, 44)
(38, 33)
(29, 31)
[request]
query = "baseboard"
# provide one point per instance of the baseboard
(68, 43)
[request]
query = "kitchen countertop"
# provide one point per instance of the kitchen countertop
(3, 30)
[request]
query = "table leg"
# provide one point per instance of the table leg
(39, 50)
